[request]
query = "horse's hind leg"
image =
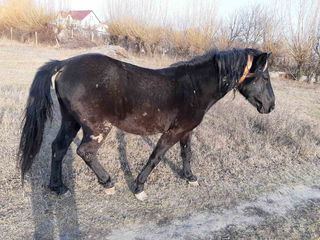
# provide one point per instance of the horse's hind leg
(185, 144)
(92, 140)
(68, 130)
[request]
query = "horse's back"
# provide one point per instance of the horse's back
(95, 86)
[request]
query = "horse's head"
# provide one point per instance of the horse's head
(255, 84)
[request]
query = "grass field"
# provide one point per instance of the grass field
(259, 175)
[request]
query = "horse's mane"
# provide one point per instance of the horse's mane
(199, 59)
(229, 63)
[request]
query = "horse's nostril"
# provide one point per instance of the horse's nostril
(272, 107)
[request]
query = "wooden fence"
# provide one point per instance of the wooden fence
(52, 36)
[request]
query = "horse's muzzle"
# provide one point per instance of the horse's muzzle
(263, 110)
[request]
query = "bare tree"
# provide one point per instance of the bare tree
(303, 17)
(251, 20)
(230, 31)
(317, 54)
(252, 26)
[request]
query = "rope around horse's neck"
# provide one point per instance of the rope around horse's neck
(246, 72)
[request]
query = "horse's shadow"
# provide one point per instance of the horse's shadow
(124, 163)
(57, 217)
(54, 217)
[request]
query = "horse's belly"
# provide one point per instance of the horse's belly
(144, 123)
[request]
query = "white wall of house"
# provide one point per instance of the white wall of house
(89, 21)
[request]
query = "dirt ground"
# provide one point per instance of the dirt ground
(259, 175)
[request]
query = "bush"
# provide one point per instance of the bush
(26, 17)
(147, 27)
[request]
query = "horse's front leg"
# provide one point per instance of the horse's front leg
(186, 154)
(166, 141)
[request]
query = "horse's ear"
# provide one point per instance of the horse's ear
(261, 61)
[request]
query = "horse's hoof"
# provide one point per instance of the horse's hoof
(67, 194)
(142, 196)
(110, 191)
(193, 183)
(59, 190)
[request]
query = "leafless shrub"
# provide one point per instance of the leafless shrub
(316, 55)
(148, 27)
(301, 38)
(24, 15)
(20, 19)
(229, 32)
(245, 26)
(253, 26)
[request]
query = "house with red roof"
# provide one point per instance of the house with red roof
(85, 19)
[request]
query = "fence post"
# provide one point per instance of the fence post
(36, 35)
(11, 34)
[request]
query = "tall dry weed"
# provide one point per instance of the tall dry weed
(154, 24)
(24, 15)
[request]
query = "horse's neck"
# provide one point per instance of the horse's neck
(209, 84)
(213, 81)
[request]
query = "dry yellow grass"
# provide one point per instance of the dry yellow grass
(149, 23)
(239, 155)
(24, 15)
(195, 40)
(136, 30)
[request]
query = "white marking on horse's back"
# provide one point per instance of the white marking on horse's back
(265, 67)
(55, 77)
(98, 138)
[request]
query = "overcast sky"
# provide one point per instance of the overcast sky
(225, 7)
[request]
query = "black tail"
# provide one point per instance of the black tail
(38, 110)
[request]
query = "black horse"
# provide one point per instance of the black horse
(96, 92)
